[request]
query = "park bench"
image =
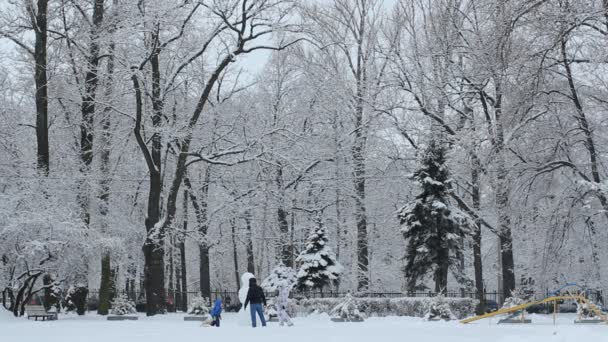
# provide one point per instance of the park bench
(38, 311)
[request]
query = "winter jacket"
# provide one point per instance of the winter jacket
(217, 308)
(255, 295)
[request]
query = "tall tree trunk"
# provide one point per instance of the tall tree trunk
(235, 255)
(284, 245)
(200, 210)
(358, 153)
(106, 284)
(477, 261)
(40, 77)
(182, 254)
(250, 259)
(171, 253)
(502, 202)
(153, 247)
(88, 110)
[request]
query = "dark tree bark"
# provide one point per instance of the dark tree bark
(107, 285)
(91, 82)
(358, 155)
(250, 259)
(235, 255)
(153, 248)
(182, 254)
(200, 210)
(502, 201)
(40, 25)
(284, 243)
(477, 261)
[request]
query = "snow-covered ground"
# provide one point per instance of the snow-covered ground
(172, 328)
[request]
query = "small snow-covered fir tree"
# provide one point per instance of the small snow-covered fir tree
(199, 306)
(348, 309)
(318, 264)
(439, 309)
(122, 305)
(432, 226)
(281, 274)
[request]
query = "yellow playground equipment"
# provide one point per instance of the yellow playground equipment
(579, 298)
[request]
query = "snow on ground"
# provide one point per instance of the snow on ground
(172, 328)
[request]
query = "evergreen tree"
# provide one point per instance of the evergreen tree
(432, 227)
(318, 264)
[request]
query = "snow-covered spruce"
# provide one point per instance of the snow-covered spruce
(347, 310)
(432, 226)
(122, 305)
(439, 309)
(319, 265)
(280, 274)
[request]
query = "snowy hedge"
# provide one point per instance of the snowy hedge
(402, 306)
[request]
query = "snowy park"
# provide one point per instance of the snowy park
(303, 170)
(313, 328)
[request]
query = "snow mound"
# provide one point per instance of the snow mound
(5, 315)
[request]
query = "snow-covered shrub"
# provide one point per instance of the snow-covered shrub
(76, 299)
(280, 274)
(438, 308)
(348, 309)
(585, 311)
(517, 298)
(199, 306)
(122, 305)
(382, 307)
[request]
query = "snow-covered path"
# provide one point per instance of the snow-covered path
(172, 328)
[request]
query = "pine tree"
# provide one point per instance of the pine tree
(318, 264)
(432, 227)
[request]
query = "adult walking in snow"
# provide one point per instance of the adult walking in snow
(256, 297)
(281, 305)
(216, 312)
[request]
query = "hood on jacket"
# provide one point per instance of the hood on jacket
(252, 281)
(217, 308)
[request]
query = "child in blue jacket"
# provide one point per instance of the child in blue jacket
(216, 312)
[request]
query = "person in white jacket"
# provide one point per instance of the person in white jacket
(281, 305)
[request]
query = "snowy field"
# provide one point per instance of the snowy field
(172, 328)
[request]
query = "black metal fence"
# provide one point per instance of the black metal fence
(175, 299)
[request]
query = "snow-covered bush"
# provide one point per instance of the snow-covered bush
(382, 307)
(348, 309)
(517, 298)
(76, 299)
(280, 274)
(199, 306)
(585, 310)
(122, 305)
(438, 308)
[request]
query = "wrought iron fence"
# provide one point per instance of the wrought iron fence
(177, 302)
